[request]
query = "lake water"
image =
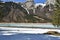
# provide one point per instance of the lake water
(28, 37)
(39, 25)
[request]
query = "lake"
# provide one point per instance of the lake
(29, 25)
(28, 37)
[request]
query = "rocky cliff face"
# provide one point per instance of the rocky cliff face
(45, 12)
(12, 12)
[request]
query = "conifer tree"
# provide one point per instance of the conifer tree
(56, 15)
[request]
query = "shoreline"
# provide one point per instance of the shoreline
(29, 25)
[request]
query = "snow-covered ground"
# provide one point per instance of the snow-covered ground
(12, 31)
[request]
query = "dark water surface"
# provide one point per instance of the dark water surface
(28, 37)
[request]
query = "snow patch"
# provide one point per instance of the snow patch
(12, 31)
(37, 4)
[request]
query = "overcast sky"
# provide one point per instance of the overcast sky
(36, 1)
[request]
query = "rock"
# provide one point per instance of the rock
(53, 33)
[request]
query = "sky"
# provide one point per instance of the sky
(36, 1)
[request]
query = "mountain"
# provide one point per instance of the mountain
(12, 12)
(44, 11)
